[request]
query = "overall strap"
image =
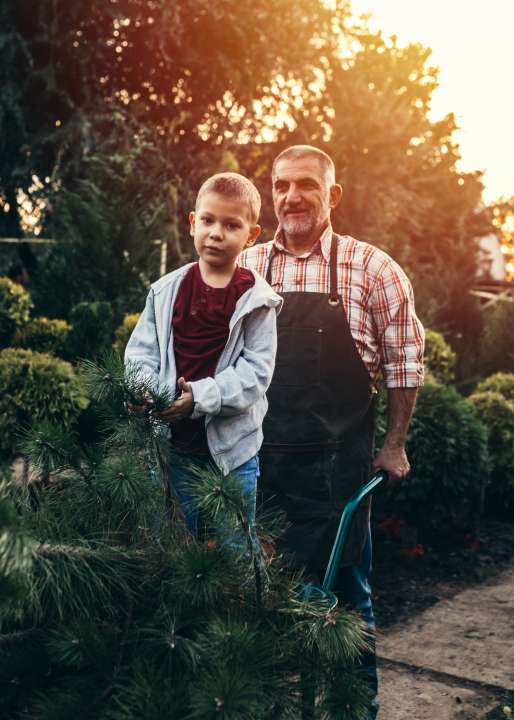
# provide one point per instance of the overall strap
(334, 297)
(271, 257)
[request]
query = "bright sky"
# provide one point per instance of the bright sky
(473, 45)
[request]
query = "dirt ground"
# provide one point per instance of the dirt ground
(446, 630)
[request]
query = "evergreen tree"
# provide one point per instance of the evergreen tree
(111, 611)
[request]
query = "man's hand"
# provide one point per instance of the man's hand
(181, 408)
(393, 459)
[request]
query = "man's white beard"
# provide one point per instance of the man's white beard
(301, 227)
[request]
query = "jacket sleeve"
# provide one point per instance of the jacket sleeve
(236, 388)
(143, 345)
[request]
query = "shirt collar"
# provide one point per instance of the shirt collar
(321, 245)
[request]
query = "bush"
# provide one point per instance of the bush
(91, 329)
(447, 447)
(500, 382)
(497, 414)
(497, 343)
(440, 359)
(36, 386)
(15, 307)
(124, 331)
(43, 335)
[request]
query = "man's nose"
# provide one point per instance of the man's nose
(293, 196)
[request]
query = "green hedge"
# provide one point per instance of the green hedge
(43, 334)
(447, 448)
(15, 307)
(439, 359)
(36, 386)
(497, 414)
(500, 382)
(124, 331)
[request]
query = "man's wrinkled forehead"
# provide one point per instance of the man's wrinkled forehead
(308, 167)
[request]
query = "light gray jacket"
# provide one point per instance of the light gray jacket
(233, 402)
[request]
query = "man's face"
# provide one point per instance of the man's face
(302, 196)
(221, 229)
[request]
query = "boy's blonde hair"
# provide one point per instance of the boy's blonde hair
(235, 186)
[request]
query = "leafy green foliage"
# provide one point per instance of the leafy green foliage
(91, 330)
(497, 343)
(36, 386)
(502, 383)
(43, 334)
(124, 331)
(439, 358)
(15, 307)
(497, 414)
(447, 446)
(130, 625)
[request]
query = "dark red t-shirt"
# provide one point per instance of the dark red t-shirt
(200, 324)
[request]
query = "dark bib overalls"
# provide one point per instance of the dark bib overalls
(318, 433)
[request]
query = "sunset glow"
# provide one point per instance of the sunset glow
(472, 45)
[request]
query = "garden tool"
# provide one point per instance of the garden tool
(311, 591)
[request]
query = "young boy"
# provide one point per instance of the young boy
(209, 330)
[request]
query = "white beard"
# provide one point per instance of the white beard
(298, 226)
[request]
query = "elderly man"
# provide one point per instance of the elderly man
(348, 314)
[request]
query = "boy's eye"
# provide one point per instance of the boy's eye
(206, 220)
(233, 226)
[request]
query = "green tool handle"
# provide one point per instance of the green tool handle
(344, 528)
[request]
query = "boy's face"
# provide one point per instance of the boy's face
(221, 229)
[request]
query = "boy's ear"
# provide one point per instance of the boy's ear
(253, 235)
(191, 223)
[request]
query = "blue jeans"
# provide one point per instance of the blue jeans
(180, 474)
(353, 589)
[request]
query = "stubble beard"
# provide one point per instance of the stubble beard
(300, 228)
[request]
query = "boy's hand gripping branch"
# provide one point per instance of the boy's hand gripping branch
(181, 408)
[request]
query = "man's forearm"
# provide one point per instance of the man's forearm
(400, 406)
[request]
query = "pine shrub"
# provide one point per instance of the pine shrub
(110, 614)
(36, 386)
(15, 307)
(91, 329)
(497, 415)
(124, 331)
(440, 359)
(43, 334)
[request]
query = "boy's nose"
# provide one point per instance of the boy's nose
(215, 232)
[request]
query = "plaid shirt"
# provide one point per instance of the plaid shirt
(377, 298)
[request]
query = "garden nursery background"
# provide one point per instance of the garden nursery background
(112, 114)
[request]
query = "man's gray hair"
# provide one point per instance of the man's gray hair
(236, 187)
(296, 152)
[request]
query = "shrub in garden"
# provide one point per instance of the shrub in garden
(43, 335)
(101, 621)
(447, 447)
(91, 329)
(497, 414)
(500, 382)
(15, 307)
(497, 342)
(439, 358)
(36, 386)
(124, 331)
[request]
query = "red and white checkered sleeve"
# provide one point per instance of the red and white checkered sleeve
(400, 332)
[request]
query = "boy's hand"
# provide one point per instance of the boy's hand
(140, 409)
(181, 408)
